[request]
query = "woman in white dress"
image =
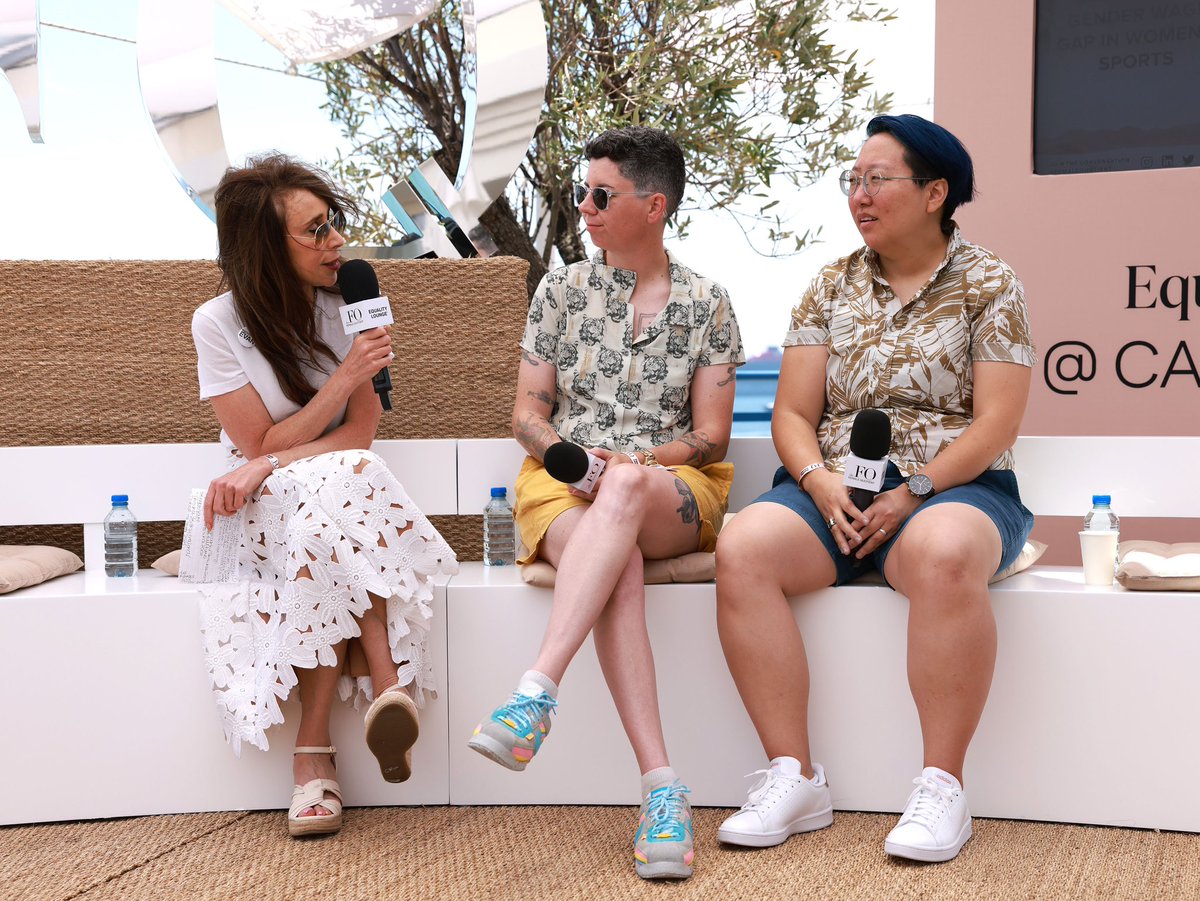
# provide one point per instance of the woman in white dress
(333, 549)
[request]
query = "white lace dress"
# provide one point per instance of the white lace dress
(319, 535)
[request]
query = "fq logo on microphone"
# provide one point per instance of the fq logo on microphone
(366, 314)
(860, 473)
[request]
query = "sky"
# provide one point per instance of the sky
(99, 187)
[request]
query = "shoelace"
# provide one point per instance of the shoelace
(525, 711)
(769, 789)
(665, 805)
(930, 802)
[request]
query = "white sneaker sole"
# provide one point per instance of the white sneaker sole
(930, 855)
(494, 750)
(810, 823)
(663, 869)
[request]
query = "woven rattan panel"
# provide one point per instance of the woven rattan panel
(101, 353)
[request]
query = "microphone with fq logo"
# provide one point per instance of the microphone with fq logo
(365, 309)
(866, 464)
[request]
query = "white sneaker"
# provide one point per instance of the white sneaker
(781, 804)
(935, 823)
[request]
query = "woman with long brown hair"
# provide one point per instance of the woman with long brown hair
(332, 547)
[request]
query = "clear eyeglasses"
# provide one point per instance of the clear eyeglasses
(319, 235)
(872, 181)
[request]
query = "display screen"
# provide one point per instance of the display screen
(1117, 85)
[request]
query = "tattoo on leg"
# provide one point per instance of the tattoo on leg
(688, 510)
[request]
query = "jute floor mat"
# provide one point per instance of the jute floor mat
(581, 853)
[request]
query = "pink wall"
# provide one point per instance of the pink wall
(1070, 238)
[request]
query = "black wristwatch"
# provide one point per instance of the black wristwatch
(920, 486)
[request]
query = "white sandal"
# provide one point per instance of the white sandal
(392, 726)
(312, 794)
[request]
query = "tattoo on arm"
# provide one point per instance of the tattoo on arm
(544, 396)
(530, 358)
(729, 378)
(535, 435)
(688, 510)
(701, 448)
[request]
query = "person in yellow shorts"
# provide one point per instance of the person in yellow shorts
(630, 355)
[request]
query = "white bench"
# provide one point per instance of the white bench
(105, 704)
(1091, 717)
(107, 710)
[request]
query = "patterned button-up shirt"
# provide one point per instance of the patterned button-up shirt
(615, 389)
(912, 360)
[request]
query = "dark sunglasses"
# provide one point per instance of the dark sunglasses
(600, 196)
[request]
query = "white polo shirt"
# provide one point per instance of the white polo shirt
(227, 358)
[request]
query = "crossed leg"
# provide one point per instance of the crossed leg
(639, 513)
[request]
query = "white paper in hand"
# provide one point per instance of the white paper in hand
(209, 556)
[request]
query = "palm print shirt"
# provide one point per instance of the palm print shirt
(911, 360)
(614, 389)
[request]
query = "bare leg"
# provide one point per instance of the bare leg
(590, 547)
(598, 552)
(375, 645)
(766, 555)
(627, 660)
(942, 563)
(317, 687)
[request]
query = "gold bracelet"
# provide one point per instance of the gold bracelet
(651, 460)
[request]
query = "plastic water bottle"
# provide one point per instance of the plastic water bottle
(120, 539)
(499, 531)
(1101, 517)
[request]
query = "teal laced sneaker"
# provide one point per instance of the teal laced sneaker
(663, 846)
(515, 731)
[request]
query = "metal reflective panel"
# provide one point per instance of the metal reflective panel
(323, 30)
(19, 59)
(504, 81)
(178, 75)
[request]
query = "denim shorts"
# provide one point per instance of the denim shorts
(994, 492)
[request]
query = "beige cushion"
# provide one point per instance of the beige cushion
(168, 563)
(700, 566)
(1154, 566)
(1029, 555)
(22, 566)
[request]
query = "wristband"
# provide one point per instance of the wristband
(806, 470)
(633, 458)
(273, 460)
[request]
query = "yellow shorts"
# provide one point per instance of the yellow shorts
(541, 499)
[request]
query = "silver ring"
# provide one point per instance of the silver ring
(832, 522)
(883, 532)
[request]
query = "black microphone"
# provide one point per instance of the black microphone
(866, 464)
(570, 463)
(357, 280)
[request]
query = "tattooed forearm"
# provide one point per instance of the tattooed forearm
(534, 434)
(688, 510)
(701, 450)
(729, 377)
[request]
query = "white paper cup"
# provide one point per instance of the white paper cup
(1099, 551)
